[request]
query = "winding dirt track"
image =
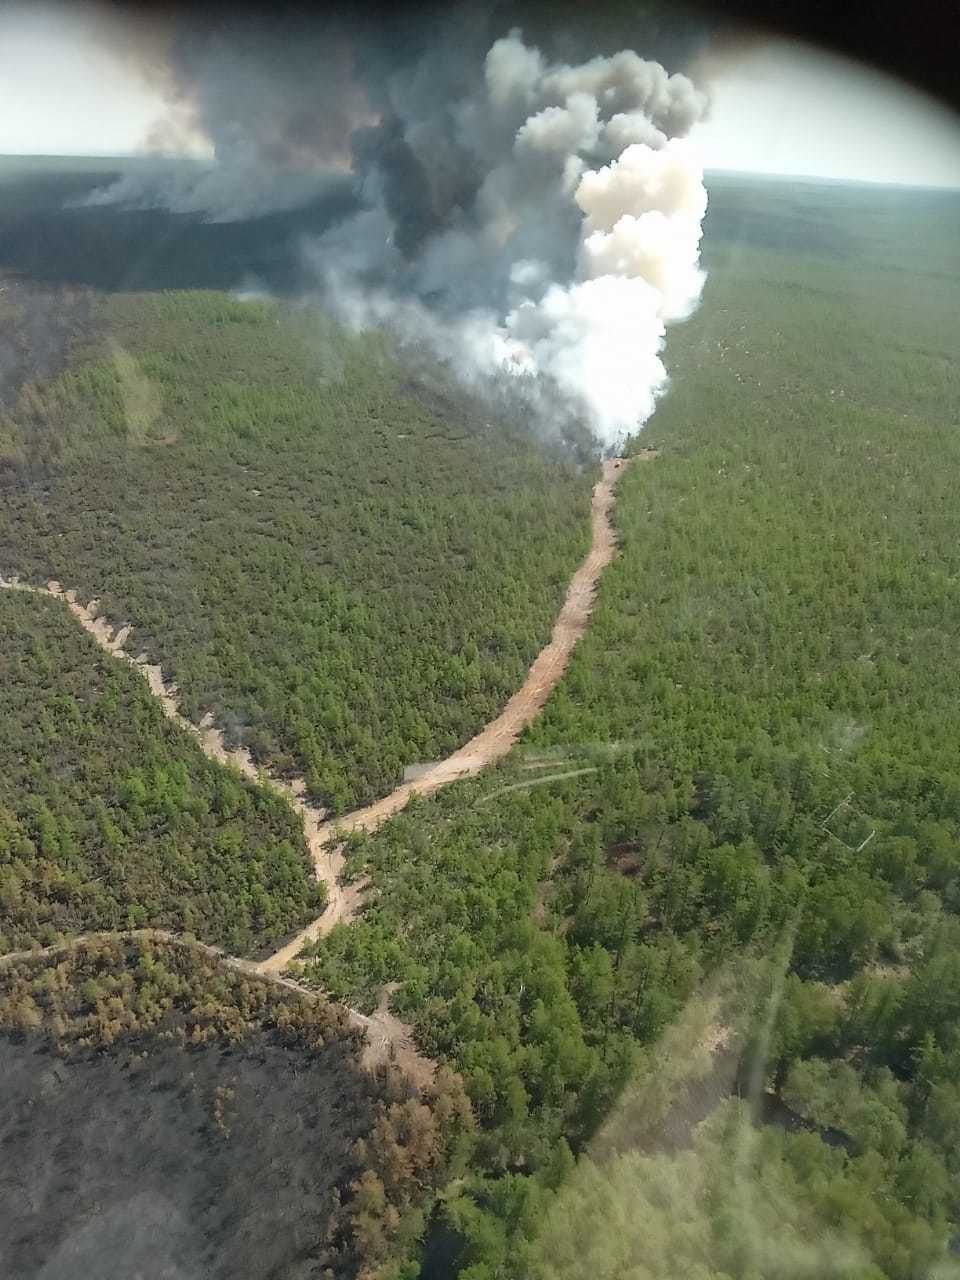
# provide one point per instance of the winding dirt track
(387, 1037)
(324, 838)
(490, 744)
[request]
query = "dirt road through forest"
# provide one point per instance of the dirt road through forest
(490, 744)
(387, 1037)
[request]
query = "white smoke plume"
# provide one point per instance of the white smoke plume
(534, 223)
(580, 244)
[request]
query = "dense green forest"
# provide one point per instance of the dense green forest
(763, 723)
(111, 817)
(695, 947)
(343, 560)
(192, 1120)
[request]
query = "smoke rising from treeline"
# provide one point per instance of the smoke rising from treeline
(528, 217)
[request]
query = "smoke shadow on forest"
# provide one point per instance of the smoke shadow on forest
(770, 215)
(48, 238)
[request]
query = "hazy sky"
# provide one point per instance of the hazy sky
(787, 108)
(63, 94)
(778, 107)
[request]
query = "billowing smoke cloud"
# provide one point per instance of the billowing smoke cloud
(529, 221)
(272, 99)
(545, 225)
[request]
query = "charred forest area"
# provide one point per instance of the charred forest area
(691, 951)
(189, 1120)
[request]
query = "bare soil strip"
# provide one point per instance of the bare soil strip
(490, 744)
(327, 858)
(324, 838)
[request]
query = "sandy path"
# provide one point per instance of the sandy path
(326, 860)
(492, 743)
(495, 740)
(387, 1039)
(113, 640)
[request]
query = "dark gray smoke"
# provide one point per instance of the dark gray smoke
(276, 99)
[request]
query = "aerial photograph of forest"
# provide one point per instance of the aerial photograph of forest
(479, 598)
